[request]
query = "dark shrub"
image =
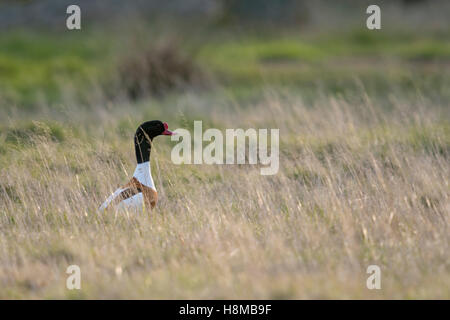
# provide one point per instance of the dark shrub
(156, 70)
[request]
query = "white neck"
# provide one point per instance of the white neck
(144, 175)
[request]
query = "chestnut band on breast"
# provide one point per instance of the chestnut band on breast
(134, 187)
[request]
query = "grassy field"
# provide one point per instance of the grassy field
(364, 170)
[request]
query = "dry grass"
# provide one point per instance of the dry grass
(360, 183)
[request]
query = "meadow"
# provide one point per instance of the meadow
(364, 173)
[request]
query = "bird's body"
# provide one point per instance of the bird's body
(140, 191)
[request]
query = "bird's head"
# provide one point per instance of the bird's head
(144, 136)
(152, 129)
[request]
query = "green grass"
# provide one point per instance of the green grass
(36, 66)
(39, 68)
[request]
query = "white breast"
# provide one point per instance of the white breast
(144, 175)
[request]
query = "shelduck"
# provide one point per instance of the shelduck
(140, 190)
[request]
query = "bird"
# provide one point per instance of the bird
(140, 191)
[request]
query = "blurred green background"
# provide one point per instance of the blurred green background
(148, 49)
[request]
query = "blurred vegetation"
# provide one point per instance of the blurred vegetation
(38, 68)
(179, 69)
(364, 148)
(156, 70)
